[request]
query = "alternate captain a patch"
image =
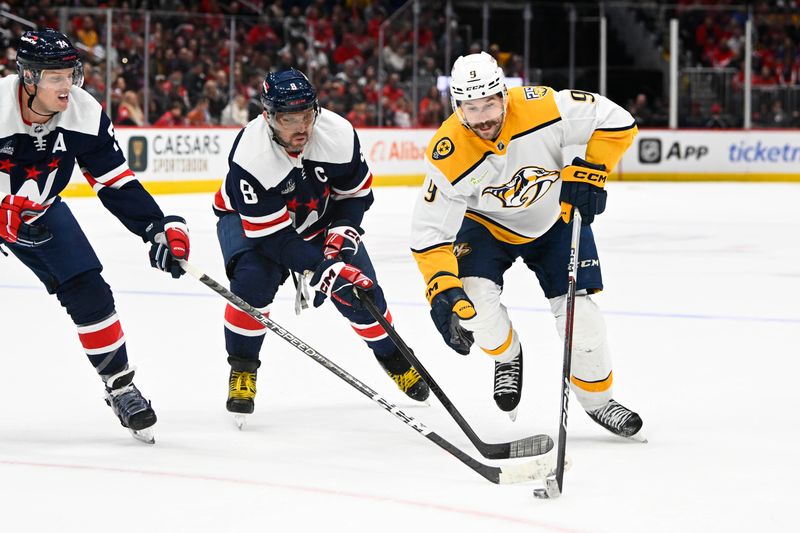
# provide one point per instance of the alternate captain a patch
(443, 149)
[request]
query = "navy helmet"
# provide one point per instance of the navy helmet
(288, 91)
(47, 49)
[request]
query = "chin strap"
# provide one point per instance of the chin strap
(31, 96)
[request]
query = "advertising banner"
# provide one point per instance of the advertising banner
(177, 160)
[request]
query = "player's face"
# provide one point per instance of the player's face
(484, 116)
(294, 129)
(52, 94)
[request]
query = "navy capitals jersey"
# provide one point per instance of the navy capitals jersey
(37, 160)
(286, 200)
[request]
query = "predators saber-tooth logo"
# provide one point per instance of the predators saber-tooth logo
(460, 249)
(527, 186)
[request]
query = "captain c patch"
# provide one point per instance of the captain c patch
(443, 149)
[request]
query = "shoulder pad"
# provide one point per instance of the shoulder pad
(453, 150)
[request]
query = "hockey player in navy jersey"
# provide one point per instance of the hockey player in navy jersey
(47, 123)
(496, 190)
(293, 200)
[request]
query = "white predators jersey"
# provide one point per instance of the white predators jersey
(511, 185)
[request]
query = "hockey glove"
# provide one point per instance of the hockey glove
(342, 241)
(169, 238)
(582, 187)
(335, 278)
(449, 306)
(15, 212)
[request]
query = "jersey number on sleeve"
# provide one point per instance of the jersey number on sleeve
(582, 96)
(248, 193)
(430, 194)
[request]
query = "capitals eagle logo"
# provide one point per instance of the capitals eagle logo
(527, 186)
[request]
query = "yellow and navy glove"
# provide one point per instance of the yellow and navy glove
(582, 186)
(449, 305)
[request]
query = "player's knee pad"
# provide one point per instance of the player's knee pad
(491, 325)
(86, 297)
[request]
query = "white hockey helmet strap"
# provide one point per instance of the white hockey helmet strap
(475, 76)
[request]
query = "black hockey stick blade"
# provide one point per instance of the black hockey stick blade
(536, 469)
(527, 447)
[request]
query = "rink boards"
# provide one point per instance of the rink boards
(182, 160)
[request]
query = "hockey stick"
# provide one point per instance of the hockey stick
(513, 473)
(554, 483)
(529, 446)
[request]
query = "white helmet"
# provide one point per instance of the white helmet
(475, 76)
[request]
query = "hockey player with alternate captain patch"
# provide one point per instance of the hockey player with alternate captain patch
(47, 123)
(497, 190)
(293, 201)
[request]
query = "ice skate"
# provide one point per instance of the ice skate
(133, 410)
(508, 385)
(619, 420)
(405, 376)
(242, 389)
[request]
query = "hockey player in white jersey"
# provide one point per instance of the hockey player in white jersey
(496, 190)
(293, 201)
(47, 123)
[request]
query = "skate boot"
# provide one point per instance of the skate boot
(242, 388)
(508, 385)
(405, 376)
(618, 419)
(132, 409)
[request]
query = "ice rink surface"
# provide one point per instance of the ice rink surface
(701, 296)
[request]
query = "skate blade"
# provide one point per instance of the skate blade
(144, 435)
(638, 437)
(512, 414)
(240, 421)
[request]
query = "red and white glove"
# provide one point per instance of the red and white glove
(342, 241)
(337, 279)
(15, 213)
(169, 238)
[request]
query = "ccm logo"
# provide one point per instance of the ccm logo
(433, 288)
(327, 280)
(590, 176)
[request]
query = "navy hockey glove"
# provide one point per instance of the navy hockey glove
(449, 306)
(335, 278)
(15, 212)
(342, 241)
(582, 187)
(169, 238)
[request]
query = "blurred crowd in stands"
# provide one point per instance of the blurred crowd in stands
(335, 42)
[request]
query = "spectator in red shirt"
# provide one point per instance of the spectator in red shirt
(172, 117)
(262, 36)
(347, 50)
(358, 115)
(392, 90)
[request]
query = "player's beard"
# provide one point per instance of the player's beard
(488, 130)
(291, 143)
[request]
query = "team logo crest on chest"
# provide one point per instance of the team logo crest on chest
(528, 185)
